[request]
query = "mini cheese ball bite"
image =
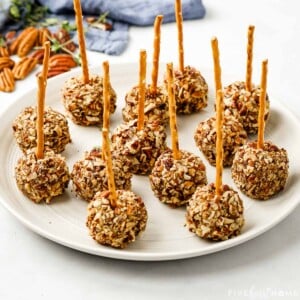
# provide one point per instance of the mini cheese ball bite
(83, 100)
(190, 87)
(191, 90)
(56, 129)
(215, 211)
(156, 108)
(42, 179)
(115, 217)
(234, 134)
(41, 174)
(214, 218)
(82, 96)
(141, 147)
(139, 141)
(177, 173)
(243, 104)
(260, 173)
(260, 169)
(89, 174)
(241, 98)
(116, 225)
(156, 102)
(174, 181)
(234, 137)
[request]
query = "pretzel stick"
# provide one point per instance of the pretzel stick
(40, 117)
(178, 12)
(81, 40)
(217, 67)
(46, 60)
(172, 112)
(156, 51)
(106, 99)
(142, 90)
(219, 142)
(109, 169)
(249, 58)
(262, 104)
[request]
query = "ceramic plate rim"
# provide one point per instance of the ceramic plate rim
(121, 254)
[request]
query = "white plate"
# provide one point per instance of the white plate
(165, 237)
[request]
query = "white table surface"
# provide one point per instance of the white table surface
(267, 267)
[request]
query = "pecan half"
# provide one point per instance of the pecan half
(6, 62)
(38, 55)
(43, 36)
(4, 51)
(56, 70)
(7, 81)
(28, 42)
(62, 60)
(64, 38)
(14, 46)
(24, 67)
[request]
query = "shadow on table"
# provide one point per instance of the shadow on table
(263, 248)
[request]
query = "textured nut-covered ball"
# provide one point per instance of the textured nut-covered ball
(116, 226)
(260, 173)
(89, 174)
(84, 102)
(156, 105)
(244, 105)
(42, 179)
(234, 136)
(140, 147)
(56, 129)
(174, 181)
(190, 89)
(215, 218)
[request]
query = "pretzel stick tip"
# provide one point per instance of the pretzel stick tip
(249, 58)
(40, 116)
(217, 66)
(81, 40)
(142, 90)
(46, 59)
(179, 22)
(172, 112)
(262, 104)
(156, 52)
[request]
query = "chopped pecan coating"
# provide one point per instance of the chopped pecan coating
(42, 179)
(190, 89)
(56, 129)
(212, 218)
(116, 226)
(260, 173)
(156, 105)
(89, 174)
(234, 136)
(140, 147)
(244, 105)
(174, 181)
(84, 102)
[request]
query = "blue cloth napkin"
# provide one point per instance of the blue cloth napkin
(123, 13)
(137, 12)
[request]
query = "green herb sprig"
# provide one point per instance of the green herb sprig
(26, 12)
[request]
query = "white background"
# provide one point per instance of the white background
(267, 267)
